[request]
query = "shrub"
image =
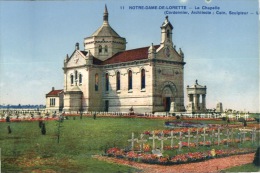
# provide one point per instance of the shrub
(40, 124)
(241, 119)
(224, 118)
(256, 158)
(9, 129)
(7, 119)
(43, 129)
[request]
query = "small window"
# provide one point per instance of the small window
(130, 86)
(96, 82)
(106, 49)
(100, 49)
(168, 33)
(143, 79)
(52, 101)
(71, 79)
(76, 75)
(107, 82)
(118, 80)
(80, 78)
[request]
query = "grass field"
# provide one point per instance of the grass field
(243, 168)
(27, 150)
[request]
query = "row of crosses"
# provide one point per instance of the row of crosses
(229, 134)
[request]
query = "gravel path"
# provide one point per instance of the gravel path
(212, 165)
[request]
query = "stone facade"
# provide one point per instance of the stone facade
(54, 101)
(219, 107)
(197, 98)
(106, 77)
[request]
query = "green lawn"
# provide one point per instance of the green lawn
(25, 149)
(243, 168)
(79, 140)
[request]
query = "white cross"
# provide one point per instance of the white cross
(232, 135)
(141, 141)
(153, 138)
(219, 135)
(132, 140)
(204, 135)
(171, 137)
(180, 138)
(189, 135)
(253, 134)
(162, 138)
(197, 137)
(213, 135)
(227, 135)
(243, 136)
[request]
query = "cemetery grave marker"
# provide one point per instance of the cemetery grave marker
(141, 141)
(153, 138)
(171, 137)
(162, 138)
(197, 137)
(132, 140)
(213, 135)
(253, 134)
(228, 135)
(180, 140)
(243, 133)
(204, 136)
(218, 135)
(189, 136)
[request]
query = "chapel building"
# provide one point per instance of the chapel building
(104, 76)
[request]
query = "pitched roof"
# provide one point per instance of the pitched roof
(105, 31)
(54, 93)
(129, 55)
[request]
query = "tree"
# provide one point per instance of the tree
(7, 119)
(40, 124)
(9, 129)
(43, 129)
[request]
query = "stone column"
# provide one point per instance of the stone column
(203, 101)
(191, 97)
(199, 105)
(195, 97)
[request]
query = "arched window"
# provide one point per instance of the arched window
(118, 80)
(99, 49)
(76, 75)
(71, 79)
(105, 48)
(168, 33)
(107, 82)
(80, 78)
(130, 85)
(96, 82)
(143, 79)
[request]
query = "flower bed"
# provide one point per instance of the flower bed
(177, 159)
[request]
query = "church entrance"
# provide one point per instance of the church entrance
(167, 104)
(168, 94)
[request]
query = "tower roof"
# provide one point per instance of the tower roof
(196, 85)
(105, 30)
(166, 23)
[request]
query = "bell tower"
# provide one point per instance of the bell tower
(166, 32)
(105, 41)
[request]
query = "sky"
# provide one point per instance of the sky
(221, 51)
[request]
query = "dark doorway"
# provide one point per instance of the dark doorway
(167, 103)
(106, 105)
